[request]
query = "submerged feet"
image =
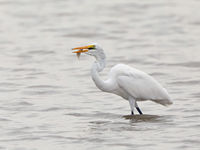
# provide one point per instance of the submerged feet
(138, 109)
(133, 104)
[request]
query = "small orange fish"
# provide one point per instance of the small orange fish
(78, 53)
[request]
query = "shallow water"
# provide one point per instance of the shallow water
(47, 97)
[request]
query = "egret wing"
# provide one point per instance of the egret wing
(142, 86)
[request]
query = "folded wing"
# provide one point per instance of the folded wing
(142, 86)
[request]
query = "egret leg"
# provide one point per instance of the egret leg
(132, 105)
(138, 109)
(132, 112)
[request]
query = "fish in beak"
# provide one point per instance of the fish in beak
(82, 49)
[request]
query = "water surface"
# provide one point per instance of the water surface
(47, 97)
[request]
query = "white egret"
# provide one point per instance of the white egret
(125, 81)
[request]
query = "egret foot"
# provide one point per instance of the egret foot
(138, 109)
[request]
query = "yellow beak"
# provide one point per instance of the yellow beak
(82, 49)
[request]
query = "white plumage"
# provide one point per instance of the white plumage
(138, 84)
(125, 81)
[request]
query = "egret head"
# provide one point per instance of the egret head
(93, 50)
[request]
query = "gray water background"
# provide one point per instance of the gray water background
(47, 98)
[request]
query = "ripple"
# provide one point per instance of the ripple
(194, 64)
(52, 109)
(4, 120)
(9, 84)
(8, 90)
(188, 82)
(100, 122)
(43, 90)
(21, 139)
(97, 114)
(41, 52)
(84, 35)
(22, 69)
(24, 103)
(44, 87)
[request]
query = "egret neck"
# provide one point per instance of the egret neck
(97, 67)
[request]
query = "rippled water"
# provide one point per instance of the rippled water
(47, 97)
